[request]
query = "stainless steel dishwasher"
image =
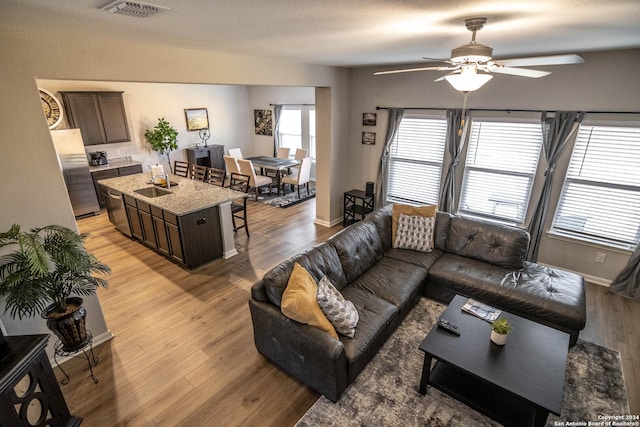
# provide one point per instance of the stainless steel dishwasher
(118, 212)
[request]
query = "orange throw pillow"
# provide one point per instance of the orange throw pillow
(299, 301)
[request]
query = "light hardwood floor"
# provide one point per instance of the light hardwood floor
(183, 352)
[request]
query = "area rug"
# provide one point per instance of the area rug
(386, 392)
(289, 199)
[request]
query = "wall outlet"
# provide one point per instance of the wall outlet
(117, 151)
(601, 256)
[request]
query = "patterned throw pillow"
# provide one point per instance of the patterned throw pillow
(414, 232)
(341, 313)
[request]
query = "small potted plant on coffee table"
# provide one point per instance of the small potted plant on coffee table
(499, 331)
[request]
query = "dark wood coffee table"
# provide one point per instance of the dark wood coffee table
(517, 384)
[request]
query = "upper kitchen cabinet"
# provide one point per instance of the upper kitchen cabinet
(100, 116)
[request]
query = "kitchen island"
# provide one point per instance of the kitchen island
(190, 222)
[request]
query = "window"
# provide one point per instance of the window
(501, 164)
(415, 164)
(600, 199)
(298, 129)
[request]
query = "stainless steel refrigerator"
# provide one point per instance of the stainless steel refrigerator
(75, 170)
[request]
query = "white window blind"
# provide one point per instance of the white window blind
(600, 199)
(502, 159)
(415, 164)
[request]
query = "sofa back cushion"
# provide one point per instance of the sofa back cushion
(319, 261)
(381, 218)
(495, 244)
(443, 220)
(359, 246)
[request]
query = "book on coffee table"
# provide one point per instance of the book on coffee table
(483, 311)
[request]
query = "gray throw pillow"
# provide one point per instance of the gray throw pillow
(414, 232)
(341, 313)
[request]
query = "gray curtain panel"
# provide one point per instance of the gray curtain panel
(395, 117)
(277, 110)
(457, 131)
(627, 283)
(557, 130)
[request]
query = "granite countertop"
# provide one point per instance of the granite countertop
(114, 164)
(186, 197)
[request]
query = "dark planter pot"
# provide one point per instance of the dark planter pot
(71, 328)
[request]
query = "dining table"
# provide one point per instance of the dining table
(275, 164)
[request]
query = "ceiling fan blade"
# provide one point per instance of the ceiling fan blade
(523, 72)
(447, 61)
(537, 61)
(410, 70)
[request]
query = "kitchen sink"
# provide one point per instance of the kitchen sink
(152, 192)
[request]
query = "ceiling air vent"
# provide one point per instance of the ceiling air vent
(133, 8)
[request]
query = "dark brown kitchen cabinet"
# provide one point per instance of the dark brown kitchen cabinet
(100, 116)
(148, 230)
(134, 218)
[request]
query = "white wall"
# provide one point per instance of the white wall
(227, 107)
(261, 98)
(606, 82)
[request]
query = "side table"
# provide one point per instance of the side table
(357, 204)
(79, 351)
(29, 392)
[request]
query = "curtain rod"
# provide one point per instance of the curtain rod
(303, 105)
(510, 110)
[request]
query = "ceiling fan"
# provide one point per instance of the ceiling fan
(471, 64)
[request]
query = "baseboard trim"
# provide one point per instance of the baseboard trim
(587, 277)
(97, 340)
(328, 224)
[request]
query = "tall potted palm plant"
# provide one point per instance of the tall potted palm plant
(43, 268)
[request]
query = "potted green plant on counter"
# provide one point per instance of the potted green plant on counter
(499, 331)
(43, 269)
(163, 139)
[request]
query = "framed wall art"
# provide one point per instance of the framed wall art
(369, 138)
(197, 118)
(263, 121)
(369, 119)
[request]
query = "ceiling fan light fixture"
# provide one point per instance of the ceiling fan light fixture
(467, 80)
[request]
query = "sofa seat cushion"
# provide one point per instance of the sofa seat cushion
(422, 259)
(393, 280)
(375, 317)
(319, 261)
(544, 295)
(557, 296)
(359, 247)
(495, 244)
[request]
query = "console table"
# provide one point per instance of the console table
(357, 204)
(211, 156)
(29, 391)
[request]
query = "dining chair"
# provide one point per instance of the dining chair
(235, 152)
(181, 169)
(199, 172)
(301, 178)
(301, 153)
(239, 182)
(256, 181)
(231, 164)
(215, 176)
(283, 152)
